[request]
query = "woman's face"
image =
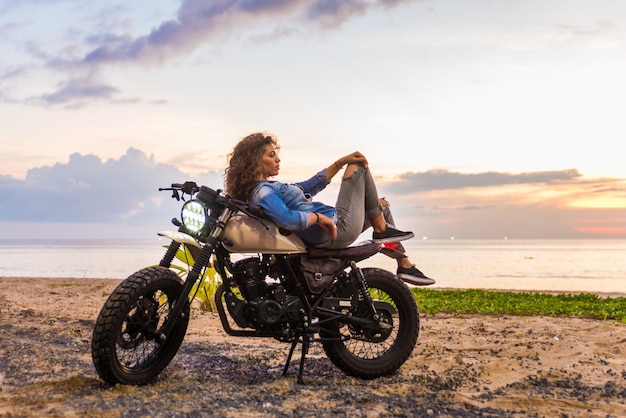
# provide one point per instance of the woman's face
(270, 163)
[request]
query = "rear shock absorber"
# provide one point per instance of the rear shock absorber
(356, 274)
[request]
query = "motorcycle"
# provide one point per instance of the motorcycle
(272, 286)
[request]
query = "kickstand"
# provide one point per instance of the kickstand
(305, 349)
(291, 350)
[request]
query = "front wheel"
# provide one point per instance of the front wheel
(126, 347)
(366, 353)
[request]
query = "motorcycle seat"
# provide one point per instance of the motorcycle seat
(356, 252)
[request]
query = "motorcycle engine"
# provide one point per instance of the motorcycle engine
(249, 277)
(267, 304)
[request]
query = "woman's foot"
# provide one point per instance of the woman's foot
(391, 235)
(413, 276)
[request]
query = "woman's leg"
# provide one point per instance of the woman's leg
(406, 269)
(358, 207)
(380, 222)
(357, 204)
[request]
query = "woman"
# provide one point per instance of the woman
(255, 160)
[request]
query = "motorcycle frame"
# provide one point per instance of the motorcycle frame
(305, 334)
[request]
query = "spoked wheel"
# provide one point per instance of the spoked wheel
(370, 351)
(126, 346)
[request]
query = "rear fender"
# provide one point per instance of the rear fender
(337, 304)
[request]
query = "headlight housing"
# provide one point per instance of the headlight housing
(195, 216)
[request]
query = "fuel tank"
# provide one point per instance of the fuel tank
(244, 234)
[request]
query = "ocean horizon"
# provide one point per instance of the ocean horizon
(547, 265)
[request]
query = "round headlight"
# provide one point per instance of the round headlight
(195, 216)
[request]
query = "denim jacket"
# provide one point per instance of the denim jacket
(288, 205)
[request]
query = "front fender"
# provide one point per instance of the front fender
(180, 237)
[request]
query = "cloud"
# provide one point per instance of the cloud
(332, 13)
(97, 197)
(198, 23)
(596, 28)
(542, 204)
(88, 190)
(444, 180)
(80, 90)
(201, 21)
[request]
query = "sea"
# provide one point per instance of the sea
(587, 265)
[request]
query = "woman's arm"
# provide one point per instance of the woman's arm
(267, 198)
(324, 222)
(354, 158)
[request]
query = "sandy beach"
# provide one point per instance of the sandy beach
(463, 365)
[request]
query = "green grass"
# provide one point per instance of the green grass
(474, 301)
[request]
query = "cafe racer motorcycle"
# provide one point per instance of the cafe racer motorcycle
(272, 285)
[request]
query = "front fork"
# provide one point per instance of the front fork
(172, 249)
(200, 262)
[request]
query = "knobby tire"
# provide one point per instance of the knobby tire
(124, 347)
(379, 355)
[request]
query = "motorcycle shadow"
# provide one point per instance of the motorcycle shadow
(244, 364)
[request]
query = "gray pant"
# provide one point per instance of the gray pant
(357, 203)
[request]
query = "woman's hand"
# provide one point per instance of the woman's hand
(354, 158)
(325, 223)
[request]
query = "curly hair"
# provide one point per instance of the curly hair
(244, 165)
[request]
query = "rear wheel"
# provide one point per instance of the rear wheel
(367, 352)
(126, 347)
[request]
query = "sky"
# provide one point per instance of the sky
(479, 118)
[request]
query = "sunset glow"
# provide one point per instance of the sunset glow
(481, 119)
(601, 202)
(606, 230)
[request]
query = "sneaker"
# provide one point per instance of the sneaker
(413, 276)
(393, 249)
(391, 235)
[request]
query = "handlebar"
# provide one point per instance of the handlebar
(190, 188)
